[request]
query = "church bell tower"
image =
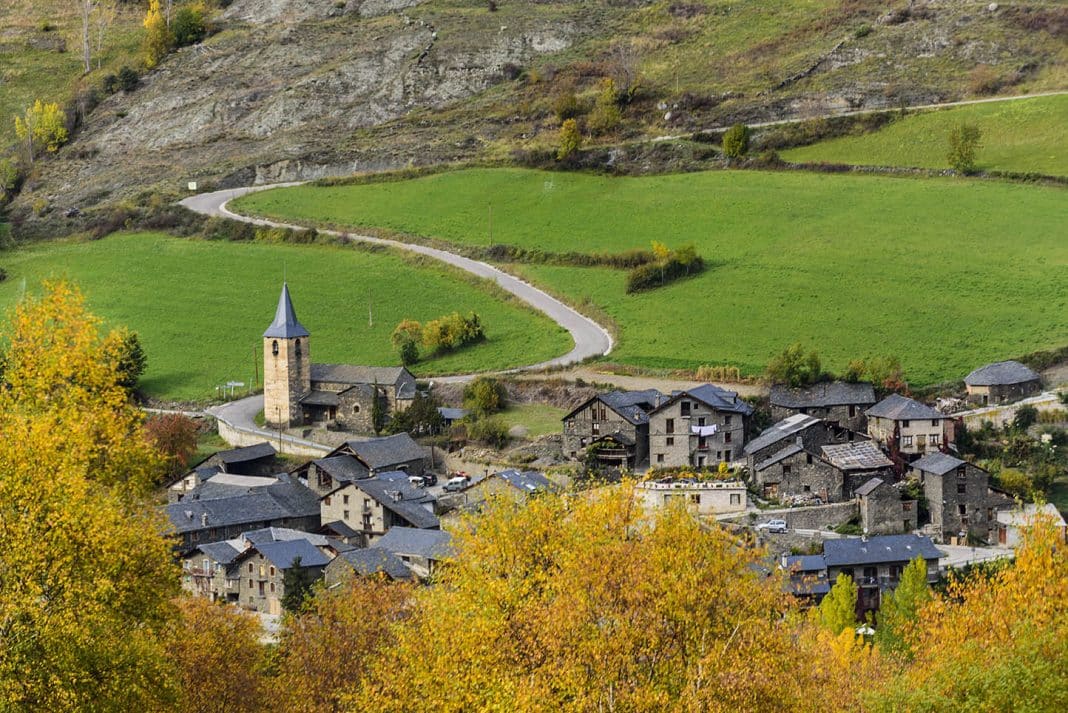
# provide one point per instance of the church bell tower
(286, 365)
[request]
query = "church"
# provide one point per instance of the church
(297, 392)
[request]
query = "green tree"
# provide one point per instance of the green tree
(606, 115)
(297, 581)
(899, 610)
(405, 339)
(964, 144)
(736, 141)
(570, 140)
(838, 610)
(378, 411)
(158, 39)
(1026, 416)
(485, 396)
(421, 417)
(188, 25)
(131, 360)
(795, 368)
(42, 126)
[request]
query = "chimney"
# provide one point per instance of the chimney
(864, 536)
(203, 519)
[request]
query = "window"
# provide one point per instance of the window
(962, 510)
(596, 428)
(298, 347)
(962, 473)
(250, 585)
(326, 500)
(907, 506)
(670, 441)
(250, 571)
(272, 587)
(367, 503)
(962, 487)
(207, 566)
(934, 438)
(272, 571)
(904, 424)
(808, 488)
(921, 440)
(906, 441)
(808, 458)
(345, 499)
(274, 347)
(727, 420)
(695, 498)
(669, 426)
(659, 457)
(852, 410)
(344, 514)
(785, 469)
(736, 499)
(934, 421)
(701, 421)
(356, 409)
(684, 408)
(870, 572)
(727, 437)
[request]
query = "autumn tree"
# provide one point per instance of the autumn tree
(795, 368)
(899, 610)
(838, 610)
(217, 654)
(42, 127)
(606, 115)
(86, 578)
(158, 39)
(992, 642)
(485, 396)
(174, 436)
(326, 650)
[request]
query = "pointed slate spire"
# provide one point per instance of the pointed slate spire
(285, 324)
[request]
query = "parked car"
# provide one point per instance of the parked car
(417, 481)
(458, 483)
(778, 526)
(430, 478)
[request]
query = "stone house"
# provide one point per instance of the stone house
(907, 429)
(1001, 383)
(857, 463)
(257, 459)
(883, 511)
(701, 427)
(793, 473)
(705, 497)
(513, 485)
(800, 429)
(225, 505)
(959, 498)
(837, 402)
(422, 551)
(876, 564)
(616, 422)
(366, 562)
(1011, 523)
(375, 505)
(324, 475)
(297, 392)
(398, 452)
(261, 571)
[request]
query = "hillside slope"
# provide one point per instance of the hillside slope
(294, 89)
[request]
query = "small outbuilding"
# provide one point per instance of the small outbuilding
(1001, 383)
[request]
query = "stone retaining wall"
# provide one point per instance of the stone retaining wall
(815, 517)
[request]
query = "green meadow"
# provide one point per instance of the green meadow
(1026, 135)
(945, 273)
(201, 307)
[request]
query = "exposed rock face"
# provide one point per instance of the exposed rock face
(279, 101)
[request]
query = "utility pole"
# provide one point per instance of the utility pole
(255, 370)
(370, 314)
(491, 224)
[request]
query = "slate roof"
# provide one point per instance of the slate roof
(430, 544)
(869, 487)
(1026, 516)
(805, 563)
(343, 468)
(526, 481)
(713, 397)
(879, 549)
(285, 324)
(858, 455)
(281, 554)
(902, 408)
(222, 552)
(779, 455)
(452, 414)
(1002, 373)
(411, 502)
(246, 454)
(382, 453)
(352, 374)
(338, 527)
(938, 463)
(834, 393)
(373, 560)
(320, 398)
(633, 406)
(783, 429)
(283, 534)
(617, 436)
(285, 499)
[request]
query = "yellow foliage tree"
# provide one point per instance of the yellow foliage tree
(85, 576)
(42, 126)
(158, 37)
(218, 657)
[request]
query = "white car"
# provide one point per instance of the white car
(778, 526)
(458, 483)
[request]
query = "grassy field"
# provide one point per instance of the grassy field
(1024, 135)
(537, 419)
(201, 307)
(947, 273)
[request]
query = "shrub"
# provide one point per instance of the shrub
(984, 80)
(405, 339)
(668, 266)
(736, 141)
(570, 140)
(567, 106)
(3, 274)
(1025, 417)
(452, 331)
(964, 143)
(489, 432)
(175, 437)
(188, 25)
(128, 79)
(795, 368)
(606, 115)
(484, 396)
